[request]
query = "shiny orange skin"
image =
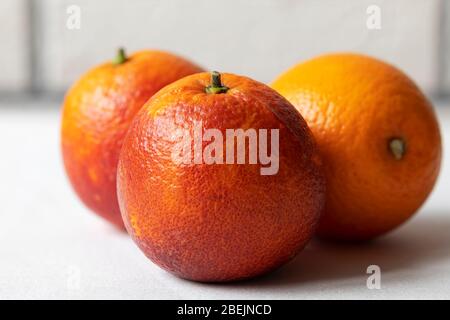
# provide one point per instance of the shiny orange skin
(219, 222)
(354, 105)
(96, 114)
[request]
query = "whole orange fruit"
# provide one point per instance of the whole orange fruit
(96, 114)
(378, 136)
(225, 219)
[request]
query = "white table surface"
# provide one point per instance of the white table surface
(51, 246)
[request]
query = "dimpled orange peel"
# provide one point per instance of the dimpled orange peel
(96, 114)
(378, 136)
(219, 221)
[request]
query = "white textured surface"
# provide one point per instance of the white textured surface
(14, 45)
(52, 247)
(258, 38)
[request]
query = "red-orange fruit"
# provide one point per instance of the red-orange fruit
(218, 222)
(378, 137)
(97, 112)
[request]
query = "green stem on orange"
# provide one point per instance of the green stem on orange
(121, 57)
(397, 146)
(216, 85)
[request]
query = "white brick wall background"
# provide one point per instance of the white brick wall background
(258, 38)
(445, 45)
(14, 40)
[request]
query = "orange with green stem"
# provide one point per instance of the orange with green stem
(218, 221)
(97, 112)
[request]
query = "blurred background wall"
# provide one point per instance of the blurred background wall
(43, 49)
